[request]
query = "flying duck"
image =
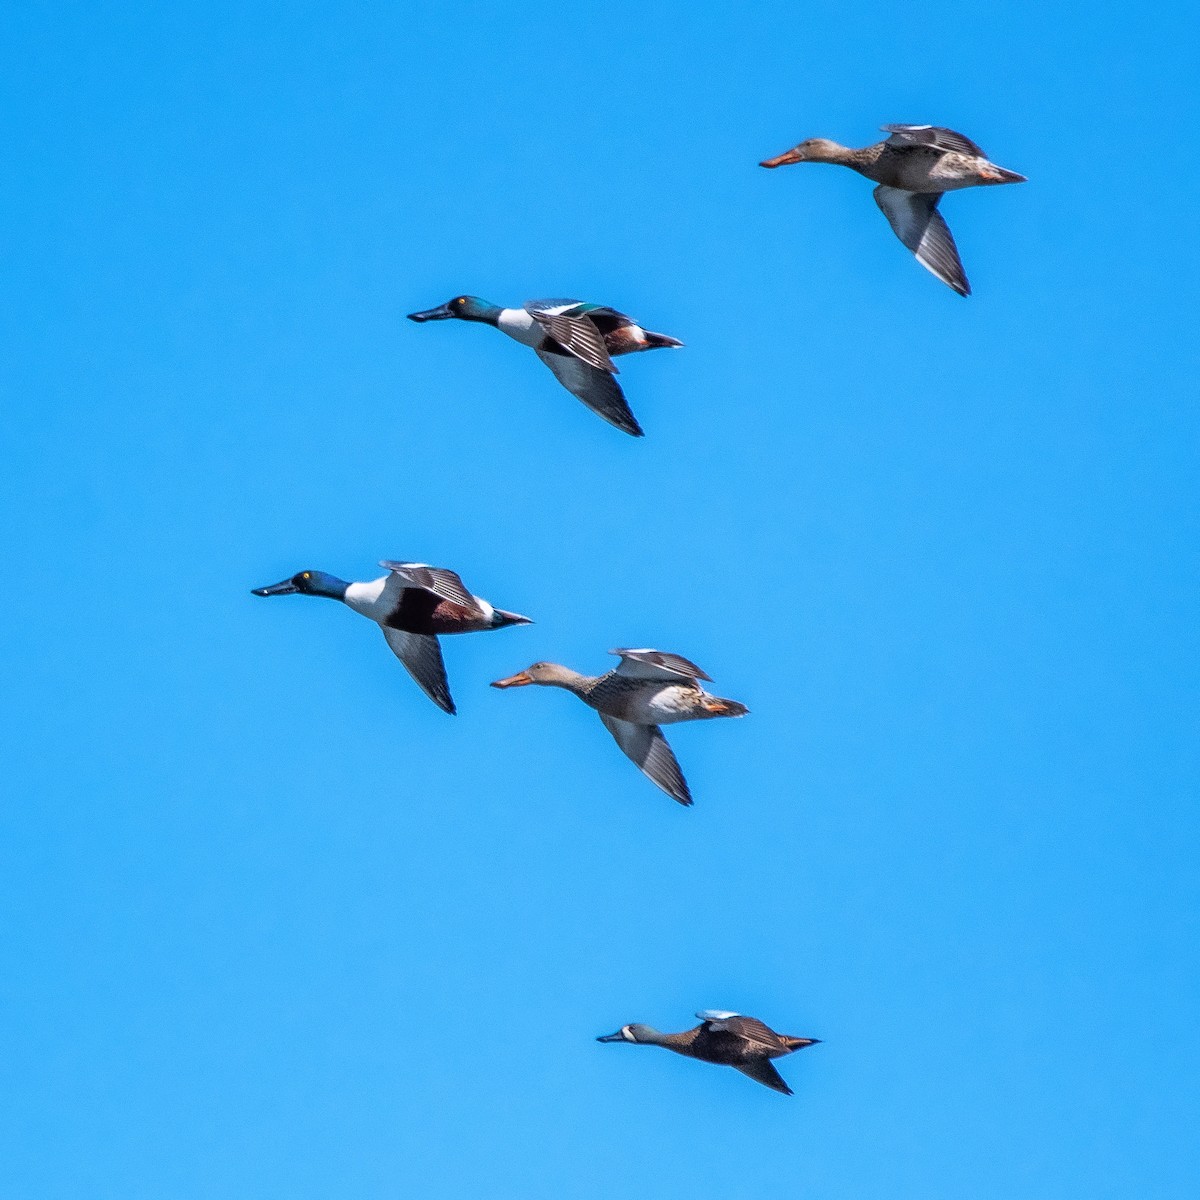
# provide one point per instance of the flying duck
(726, 1038)
(913, 167)
(577, 341)
(648, 689)
(412, 604)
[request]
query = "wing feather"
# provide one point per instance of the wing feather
(937, 136)
(596, 388)
(422, 659)
(915, 220)
(576, 333)
(438, 580)
(753, 1031)
(657, 664)
(645, 746)
(763, 1071)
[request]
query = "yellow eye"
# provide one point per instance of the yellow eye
(306, 575)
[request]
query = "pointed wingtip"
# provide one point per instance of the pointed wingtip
(683, 795)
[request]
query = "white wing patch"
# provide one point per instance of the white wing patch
(552, 308)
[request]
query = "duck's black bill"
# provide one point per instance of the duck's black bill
(441, 313)
(612, 1037)
(286, 588)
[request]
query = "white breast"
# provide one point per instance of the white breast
(375, 599)
(520, 326)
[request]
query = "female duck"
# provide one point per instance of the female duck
(913, 168)
(727, 1038)
(577, 341)
(650, 688)
(412, 604)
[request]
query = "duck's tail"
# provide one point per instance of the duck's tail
(994, 174)
(798, 1043)
(502, 619)
(714, 706)
(659, 341)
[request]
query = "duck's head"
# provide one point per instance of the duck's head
(810, 150)
(631, 1033)
(463, 308)
(544, 674)
(307, 583)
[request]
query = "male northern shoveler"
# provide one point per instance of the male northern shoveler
(913, 168)
(412, 604)
(577, 341)
(648, 689)
(726, 1038)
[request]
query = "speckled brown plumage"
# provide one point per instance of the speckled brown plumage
(913, 168)
(649, 689)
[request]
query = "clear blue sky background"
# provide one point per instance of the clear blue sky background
(275, 928)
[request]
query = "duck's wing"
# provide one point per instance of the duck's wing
(645, 746)
(569, 324)
(750, 1030)
(596, 388)
(578, 308)
(932, 135)
(438, 580)
(915, 219)
(422, 659)
(763, 1070)
(657, 664)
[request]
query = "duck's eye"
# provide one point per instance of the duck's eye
(306, 576)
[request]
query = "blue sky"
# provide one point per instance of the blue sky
(273, 926)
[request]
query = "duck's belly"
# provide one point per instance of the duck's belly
(946, 173)
(667, 706)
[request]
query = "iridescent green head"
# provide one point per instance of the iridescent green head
(464, 308)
